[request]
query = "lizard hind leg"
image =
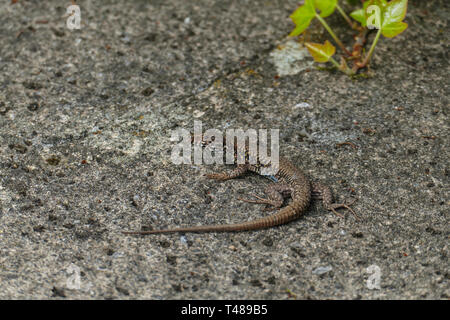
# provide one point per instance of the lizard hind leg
(275, 196)
(320, 191)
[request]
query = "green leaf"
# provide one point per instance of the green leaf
(353, 2)
(393, 29)
(390, 16)
(395, 11)
(321, 52)
(301, 26)
(380, 3)
(326, 7)
(359, 16)
(302, 17)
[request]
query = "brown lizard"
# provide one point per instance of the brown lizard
(290, 181)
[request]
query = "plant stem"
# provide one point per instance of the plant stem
(347, 71)
(335, 63)
(340, 44)
(372, 48)
(346, 17)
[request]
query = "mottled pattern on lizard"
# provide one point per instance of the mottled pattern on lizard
(290, 182)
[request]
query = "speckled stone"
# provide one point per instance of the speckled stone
(85, 123)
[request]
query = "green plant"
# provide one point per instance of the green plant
(386, 17)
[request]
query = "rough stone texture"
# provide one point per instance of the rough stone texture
(85, 122)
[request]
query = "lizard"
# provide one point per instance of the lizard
(289, 181)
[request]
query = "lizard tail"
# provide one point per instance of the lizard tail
(287, 214)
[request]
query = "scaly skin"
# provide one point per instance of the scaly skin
(290, 181)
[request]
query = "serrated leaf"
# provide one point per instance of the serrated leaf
(326, 7)
(393, 29)
(302, 17)
(359, 16)
(394, 11)
(321, 52)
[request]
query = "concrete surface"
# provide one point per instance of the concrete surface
(85, 123)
